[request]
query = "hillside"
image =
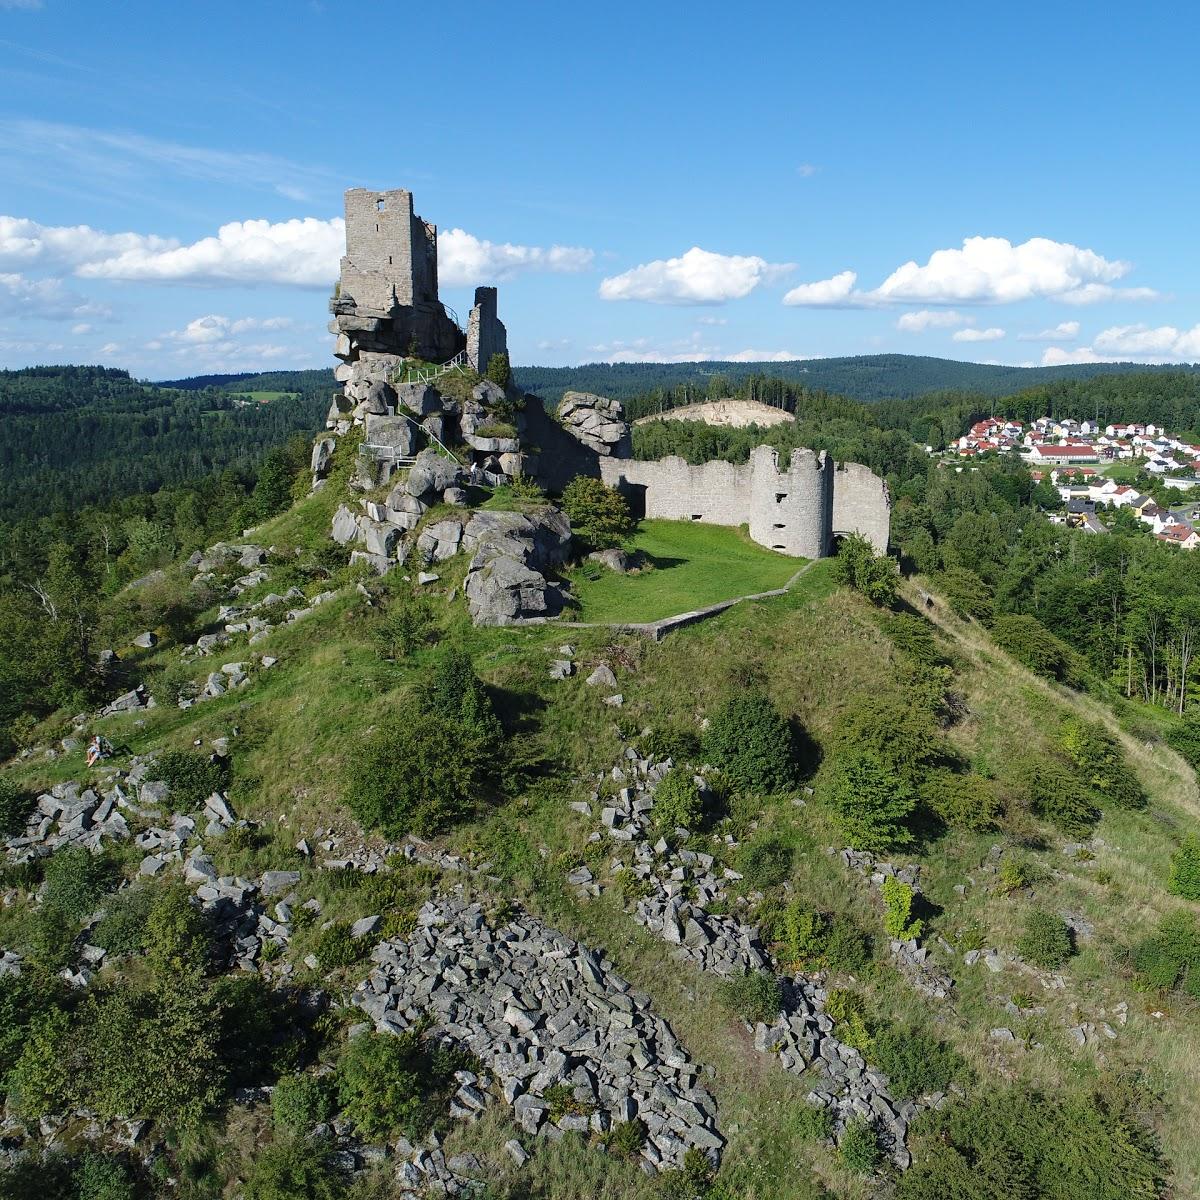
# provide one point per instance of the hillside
(863, 377)
(76, 436)
(347, 809)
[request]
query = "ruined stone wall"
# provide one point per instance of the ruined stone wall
(861, 504)
(486, 334)
(391, 253)
(787, 510)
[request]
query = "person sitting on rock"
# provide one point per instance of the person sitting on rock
(94, 752)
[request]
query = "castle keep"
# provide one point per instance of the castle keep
(387, 298)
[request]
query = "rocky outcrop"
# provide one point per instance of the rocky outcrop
(596, 422)
(572, 1046)
(510, 551)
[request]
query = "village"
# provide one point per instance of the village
(1090, 467)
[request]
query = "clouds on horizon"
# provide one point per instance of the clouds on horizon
(985, 270)
(1132, 343)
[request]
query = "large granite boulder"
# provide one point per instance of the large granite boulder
(432, 474)
(596, 422)
(505, 583)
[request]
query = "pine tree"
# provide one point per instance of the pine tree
(873, 805)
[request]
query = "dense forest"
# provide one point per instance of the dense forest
(863, 377)
(76, 436)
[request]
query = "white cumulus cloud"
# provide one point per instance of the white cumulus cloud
(927, 318)
(464, 259)
(697, 277)
(1141, 340)
(25, 243)
(217, 328)
(1064, 331)
(985, 270)
(48, 299)
(979, 335)
(834, 292)
(763, 356)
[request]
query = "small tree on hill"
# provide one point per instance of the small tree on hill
(872, 804)
(1184, 879)
(599, 515)
(753, 743)
(859, 567)
(498, 370)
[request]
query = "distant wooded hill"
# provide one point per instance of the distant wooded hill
(866, 377)
(75, 436)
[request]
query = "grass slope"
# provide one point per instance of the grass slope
(688, 566)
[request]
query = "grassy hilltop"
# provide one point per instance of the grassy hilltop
(970, 719)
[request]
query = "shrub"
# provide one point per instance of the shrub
(1006, 1142)
(1170, 956)
(1055, 795)
(387, 1082)
(40, 1082)
(1011, 877)
(191, 775)
(963, 801)
(334, 947)
(859, 567)
(968, 595)
(420, 775)
(914, 1062)
(848, 946)
(292, 1169)
(101, 1177)
(681, 745)
(764, 863)
(75, 881)
(858, 1147)
(14, 808)
(498, 369)
(805, 932)
(301, 1101)
(1184, 877)
(177, 935)
(599, 515)
(898, 921)
(849, 1011)
(873, 805)
(756, 996)
(1185, 737)
(913, 635)
(404, 626)
(677, 801)
(1100, 762)
(451, 690)
(752, 743)
(563, 1102)
(626, 1138)
(1046, 941)
(122, 929)
(1032, 644)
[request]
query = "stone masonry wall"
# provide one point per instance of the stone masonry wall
(486, 334)
(789, 511)
(861, 504)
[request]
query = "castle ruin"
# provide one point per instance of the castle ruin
(387, 298)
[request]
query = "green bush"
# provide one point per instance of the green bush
(498, 369)
(1184, 877)
(752, 743)
(1046, 940)
(450, 689)
(562, 1102)
(848, 946)
(1185, 738)
(421, 774)
(599, 515)
(680, 745)
(191, 775)
(898, 921)
(1006, 1142)
(334, 947)
(626, 1138)
(677, 802)
(41, 1080)
(301, 1101)
(101, 1177)
(177, 936)
(1056, 796)
(293, 1169)
(389, 1082)
(1032, 644)
(756, 996)
(14, 808)
(805, 933)
(262, 1032)
(1100, 762)
(859, 567)
(858, 1147)
(122, 929)
(914, 1062)
(1012, 876)
(1171, 956)
(968, 595)
(848, 1011)
(75, 881)
(963, 801)
(764, 863)
(872, 804)
(914, 636)
(404, 626)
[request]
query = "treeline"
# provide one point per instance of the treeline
(863, 377)
(78, 436)
(258, 381)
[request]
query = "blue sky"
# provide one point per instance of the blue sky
(643, 181)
